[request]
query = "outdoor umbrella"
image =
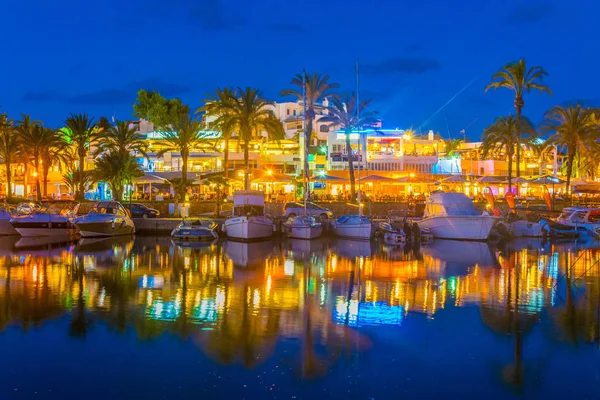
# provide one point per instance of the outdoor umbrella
(455, 179)
(518, 180)
(328, 178)
(547, 180)
(489, 179)
(376, 178)
(414, 179)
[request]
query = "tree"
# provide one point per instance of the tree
(26, 129)
(82, 133)
(349, 115)
(502, 136)
(314, 87)
(220, 183)
(9, 146)
(249, 115)
(121, 138)
(219, 106)
(185, 135)
(516, 77)
(575, 130)
(152, 106)
(117, 169)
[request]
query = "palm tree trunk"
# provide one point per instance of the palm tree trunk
(350, 167)
(570, 158)
(80, 185)
(46, 170)
(307, 136)
(226, 158)
(518, 107)
(38, 189)
(8, 179)
(510, 162)
(184, 170)
(246, 164)
(25, 171)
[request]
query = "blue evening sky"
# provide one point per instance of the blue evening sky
(77, 56)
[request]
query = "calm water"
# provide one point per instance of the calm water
(295, 320)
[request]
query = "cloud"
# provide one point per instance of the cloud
(167, 89)
(212, 16)
(42, 97)
(403, 65)
(107, 96)
(529, 13)
(284, 27)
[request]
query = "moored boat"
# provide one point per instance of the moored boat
(195, 230)
(5, 227)
(584, 220)
(302, 227)
(107, 218)
(353, 226)
(53, 219)
(248, 221)
(454, 216)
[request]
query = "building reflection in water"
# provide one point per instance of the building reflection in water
(236, 301)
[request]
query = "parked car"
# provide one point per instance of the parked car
(293, 208)
(138, 210)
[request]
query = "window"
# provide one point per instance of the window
(294, 112)
(482, 171)
(288, 111)
(324, 128)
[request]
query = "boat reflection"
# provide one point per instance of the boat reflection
(238, 301)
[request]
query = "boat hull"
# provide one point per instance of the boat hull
(306, 232)
(353, 231)
(104, 229)
(460, 227)
(523, 229)
(6, 228)
(249, 229)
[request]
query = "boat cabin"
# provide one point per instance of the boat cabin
(442, 204)
(580, 215)
(109, 207)
(247, 203)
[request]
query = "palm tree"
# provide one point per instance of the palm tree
(314, 87)
(121, 138)
(248, 114)
(185, 135)
(26, 128)
(575, 130)
(349, 115)
(116, 169)
(219, 105)
(54, 152)
(516, 77)
(82, 133)
(502, 137)
(221, 184)
(9, 146)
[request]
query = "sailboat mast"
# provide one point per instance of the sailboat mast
(306, 142)
(358, 129)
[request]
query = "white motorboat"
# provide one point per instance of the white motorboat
(5, 227)
(390, 235)
(586, 221)
(302, 227)
(107, 218)
(523, 228)
(353, 226)
(248, 221)
(196, 230)
(454, 216)
(53, 219)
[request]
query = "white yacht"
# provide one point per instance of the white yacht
(302, 227)
(248, 221)
(107, 218)
(353, 226)
(454, 216)
(53, 219)
(586, 221)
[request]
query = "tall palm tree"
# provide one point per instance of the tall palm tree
(248, 114)
(117, 169)
(9, 146)
(218, 106)
(121, 138)
(575, 130)
(516, 77)
(185, 135)
(54, 152)
(349, 115)
(314, 87)
(502, 137)
(26, 128)
(82, 133)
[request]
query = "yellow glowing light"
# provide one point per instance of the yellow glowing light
(412, 175)
(269, 172)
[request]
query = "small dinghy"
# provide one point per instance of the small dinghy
(302, 227)
(390, 235)
(196, 230)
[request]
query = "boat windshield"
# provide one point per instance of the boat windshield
(60, 208)
(248, 210)
(108, 208)
(467, 210)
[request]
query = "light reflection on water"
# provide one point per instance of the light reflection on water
(313, 306)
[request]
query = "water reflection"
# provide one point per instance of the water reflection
(238, 301)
